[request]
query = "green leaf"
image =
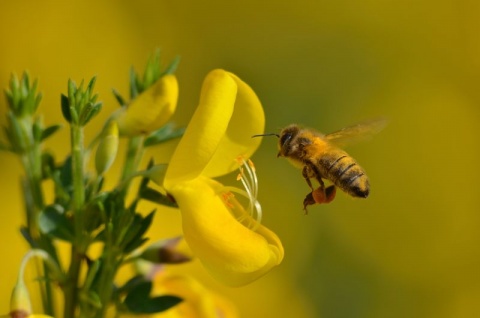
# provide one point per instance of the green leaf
(66, 177)
(50, 131)
(74, 114)
(92, 299)
(138, 300)
(93, 271)
(132, 283)
(163, 134)
(133, 84)
(172, 67)
(146, 180)
(53, 221)
(90, 86)
(26, 235)
(48, 165)
(38, 100)
(9, 97)
(119, 97)
(89, 112)
(79, 96)
(100, 237)
(16, 134)
(65, 108)
(95, 212)
(137, 295)
(37, 129)
(133, 245)
(153, 195)
(133, 239)
(156, 304)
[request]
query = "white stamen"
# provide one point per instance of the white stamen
(250, 183)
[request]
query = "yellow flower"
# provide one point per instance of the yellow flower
(151, 109)
(197, 300)
(225, 236)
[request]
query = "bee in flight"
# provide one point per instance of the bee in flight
(320, 157)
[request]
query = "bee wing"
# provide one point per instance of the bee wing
(356, 133)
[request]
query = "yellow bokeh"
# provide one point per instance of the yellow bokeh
(412, 249)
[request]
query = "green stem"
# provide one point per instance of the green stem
(77, 174)
(32, 164)
(105, 290)
(35, 204)
(71, 288)
(78, 246)
(132, 160)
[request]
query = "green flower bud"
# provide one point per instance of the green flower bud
(107, 148)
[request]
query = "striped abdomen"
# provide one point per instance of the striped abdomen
(337, 166)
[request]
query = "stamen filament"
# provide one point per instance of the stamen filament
(250, 183)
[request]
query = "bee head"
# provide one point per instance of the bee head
(285, 139)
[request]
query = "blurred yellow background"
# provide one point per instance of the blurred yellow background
(412, 249)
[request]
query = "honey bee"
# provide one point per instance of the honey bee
(320, 158)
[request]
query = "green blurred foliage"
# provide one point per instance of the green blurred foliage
(412, 248)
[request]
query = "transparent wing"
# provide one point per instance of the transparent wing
(356, 133)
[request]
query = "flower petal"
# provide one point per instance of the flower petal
(247, 120)
(228, 114)
(231, 252)
(198, 301)
(151, 109)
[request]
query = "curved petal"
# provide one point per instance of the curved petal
(230, 251)
(228, 114)
(198, 301)
(151, 109)
(247, 120)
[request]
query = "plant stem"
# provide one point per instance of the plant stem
(133, 157)
(77, 175)
(78, 246)
(32, 164)
(109, 270)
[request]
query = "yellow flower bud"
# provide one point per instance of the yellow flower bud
(107, 148)
(20, 301)
(151, 109)
(20, 305)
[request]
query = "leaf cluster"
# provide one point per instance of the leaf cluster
(98, 215)
(80, 106)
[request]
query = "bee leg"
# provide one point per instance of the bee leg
(308, 173)
(309, 200)
(319, 196)
(330, 193)
(306, 176)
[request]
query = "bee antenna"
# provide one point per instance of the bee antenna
(263, 135)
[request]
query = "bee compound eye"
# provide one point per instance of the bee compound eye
(285, 138)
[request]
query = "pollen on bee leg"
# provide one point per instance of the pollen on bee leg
(330, 193)
(319, 195)
(322, 195)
